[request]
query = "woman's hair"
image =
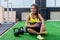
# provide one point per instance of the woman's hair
(36, 6)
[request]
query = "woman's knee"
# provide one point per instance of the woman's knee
(29, 29)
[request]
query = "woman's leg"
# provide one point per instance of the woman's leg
(42, 29)
(32, 31)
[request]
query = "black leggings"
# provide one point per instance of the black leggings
(34, 28)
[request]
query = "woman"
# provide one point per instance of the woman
(32, 21)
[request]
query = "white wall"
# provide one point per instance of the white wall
(52, 3)
(55, 15)
(18, 3)
(24, 15)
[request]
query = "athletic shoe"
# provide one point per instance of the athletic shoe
(40, 37)
(44, 33)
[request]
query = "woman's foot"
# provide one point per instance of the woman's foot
(44, 33)
(40, 37)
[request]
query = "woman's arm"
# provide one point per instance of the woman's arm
(41, 18)
(27, 22)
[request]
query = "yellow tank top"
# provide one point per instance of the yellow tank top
(31, 20)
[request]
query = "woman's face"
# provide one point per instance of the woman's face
(33, 9)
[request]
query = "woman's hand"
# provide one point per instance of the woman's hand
(42, 28)
(35, 25)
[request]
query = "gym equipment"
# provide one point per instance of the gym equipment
(4, 28)
(20, 31)
(16, 33)
(9, 15)
(1, 14)
(12, 17)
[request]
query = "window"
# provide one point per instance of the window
(52, 3)
(18, 3)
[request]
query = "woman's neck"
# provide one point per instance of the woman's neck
(32, 13)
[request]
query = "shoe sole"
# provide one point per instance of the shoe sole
(40, 39)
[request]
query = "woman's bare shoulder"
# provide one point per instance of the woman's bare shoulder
(27, 16)
(39, 14)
